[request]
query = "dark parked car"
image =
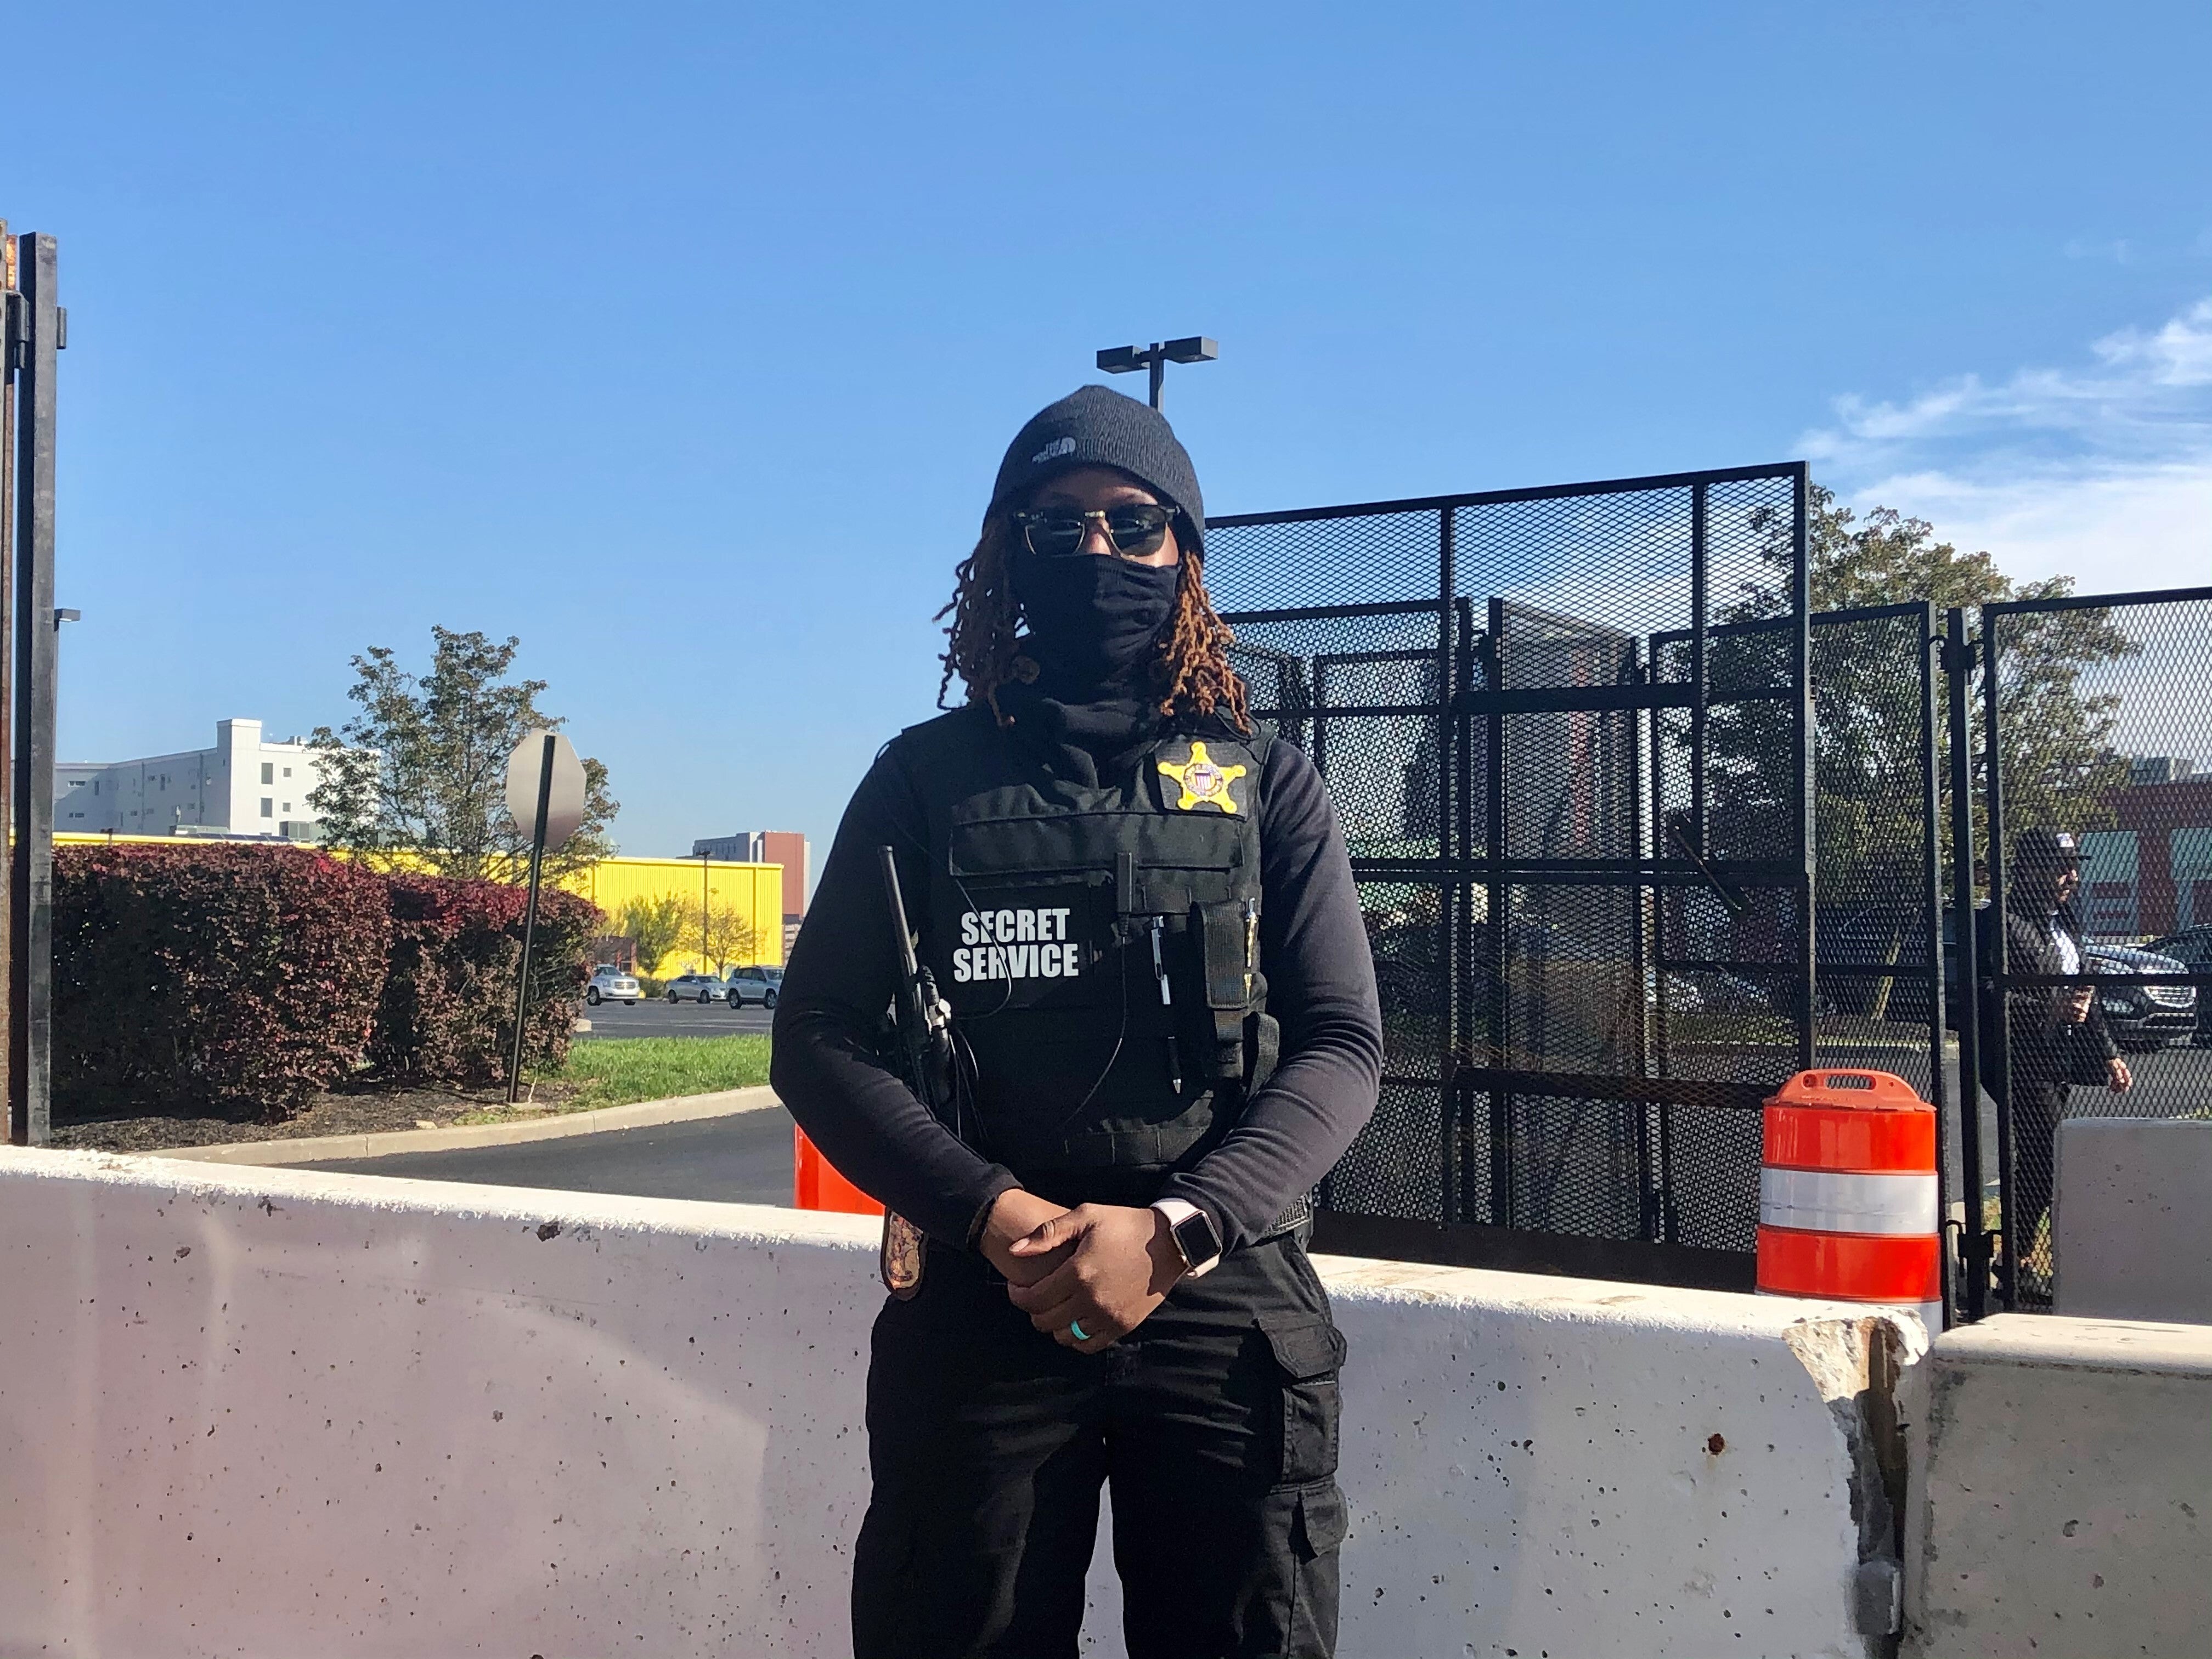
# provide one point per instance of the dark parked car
(2142, 1015)
(2193, 948)
(2191, 944)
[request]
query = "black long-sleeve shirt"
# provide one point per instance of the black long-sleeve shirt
(1313, 949)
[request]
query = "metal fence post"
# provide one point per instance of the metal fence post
(1700, 679)
(1653, 1197)
(31, 870)
(1959, 654)
(1657, 1020)
(11, 334)
(1998, 1060)
(1452, 1141)
(1498, 903)
(1461, 1014)
(1931, 648)
(1800, 668)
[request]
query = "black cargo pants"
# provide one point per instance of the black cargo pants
(2038, 1106)
(1215, 1421)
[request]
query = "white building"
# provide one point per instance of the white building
(244, 785)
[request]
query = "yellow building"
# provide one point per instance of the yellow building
(754, 892)
(750, 894)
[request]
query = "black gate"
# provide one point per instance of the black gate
(1569, 732)
(1878, 996)
(2096, 720)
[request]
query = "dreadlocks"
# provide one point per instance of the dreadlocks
(1190, 670)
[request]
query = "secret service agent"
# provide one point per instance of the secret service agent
(1164, 1030)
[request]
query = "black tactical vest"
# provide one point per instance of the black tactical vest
(1056, 910)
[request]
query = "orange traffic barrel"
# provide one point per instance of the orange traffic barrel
(1848, 1208)
(816, 1184)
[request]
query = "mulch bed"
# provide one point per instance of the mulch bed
(365, 1107)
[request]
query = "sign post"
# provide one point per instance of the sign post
(545, 790)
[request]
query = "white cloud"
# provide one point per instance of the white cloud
(2102, 472)
(2113, 530)
(2119, 252)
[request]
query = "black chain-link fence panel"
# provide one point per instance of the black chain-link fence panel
(1878, 1002)
(2101, 718)
(1544, 950)
(1515, 861)
(1878, 827)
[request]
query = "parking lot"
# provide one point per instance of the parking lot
(664, 1018)
(743, 1158)
(2169, 1082)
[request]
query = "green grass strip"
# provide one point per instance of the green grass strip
(615, 1071)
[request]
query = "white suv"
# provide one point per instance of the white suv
(754, 985)
(610, 984)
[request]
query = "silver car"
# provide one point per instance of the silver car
(610, 984)
(694, 987)
(759, 984)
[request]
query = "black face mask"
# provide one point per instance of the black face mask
(1093, 620)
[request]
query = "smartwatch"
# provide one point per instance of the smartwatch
(1194, 1233)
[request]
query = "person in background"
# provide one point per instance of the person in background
(1140, 907)
(2056, 1035)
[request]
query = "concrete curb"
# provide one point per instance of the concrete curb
(317, 1149)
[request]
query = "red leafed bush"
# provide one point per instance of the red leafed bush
(447, 1012)
(212, 975)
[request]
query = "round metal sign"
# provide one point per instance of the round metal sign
(564, 803)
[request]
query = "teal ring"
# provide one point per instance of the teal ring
(1075, 1329)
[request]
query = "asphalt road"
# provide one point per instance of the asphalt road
(742, 1159)
(665, 1019)
(746, 1157)
(2167, 1082)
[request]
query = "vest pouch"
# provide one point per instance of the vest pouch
(1156, 1147)
(997, 849)
(1263, 1046)
(1228, 941)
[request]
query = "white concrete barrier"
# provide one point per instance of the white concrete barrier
(257, 1412)
(2131, 1231)
(2061, 1492)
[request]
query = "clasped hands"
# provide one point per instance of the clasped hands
(1101, 1267)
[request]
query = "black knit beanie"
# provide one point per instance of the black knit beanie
(1093, 427)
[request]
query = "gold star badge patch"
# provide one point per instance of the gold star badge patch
(1203, 782)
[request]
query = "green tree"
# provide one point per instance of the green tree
(655, 926)
(2061, 764)
(419, 777)
(723, 934)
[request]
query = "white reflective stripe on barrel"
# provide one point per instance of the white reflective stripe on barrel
(1829, 1201)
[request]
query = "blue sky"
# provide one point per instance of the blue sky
(683, 341)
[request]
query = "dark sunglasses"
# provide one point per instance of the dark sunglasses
(1135, 532)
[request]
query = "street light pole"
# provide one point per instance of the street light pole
(1156, 357)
